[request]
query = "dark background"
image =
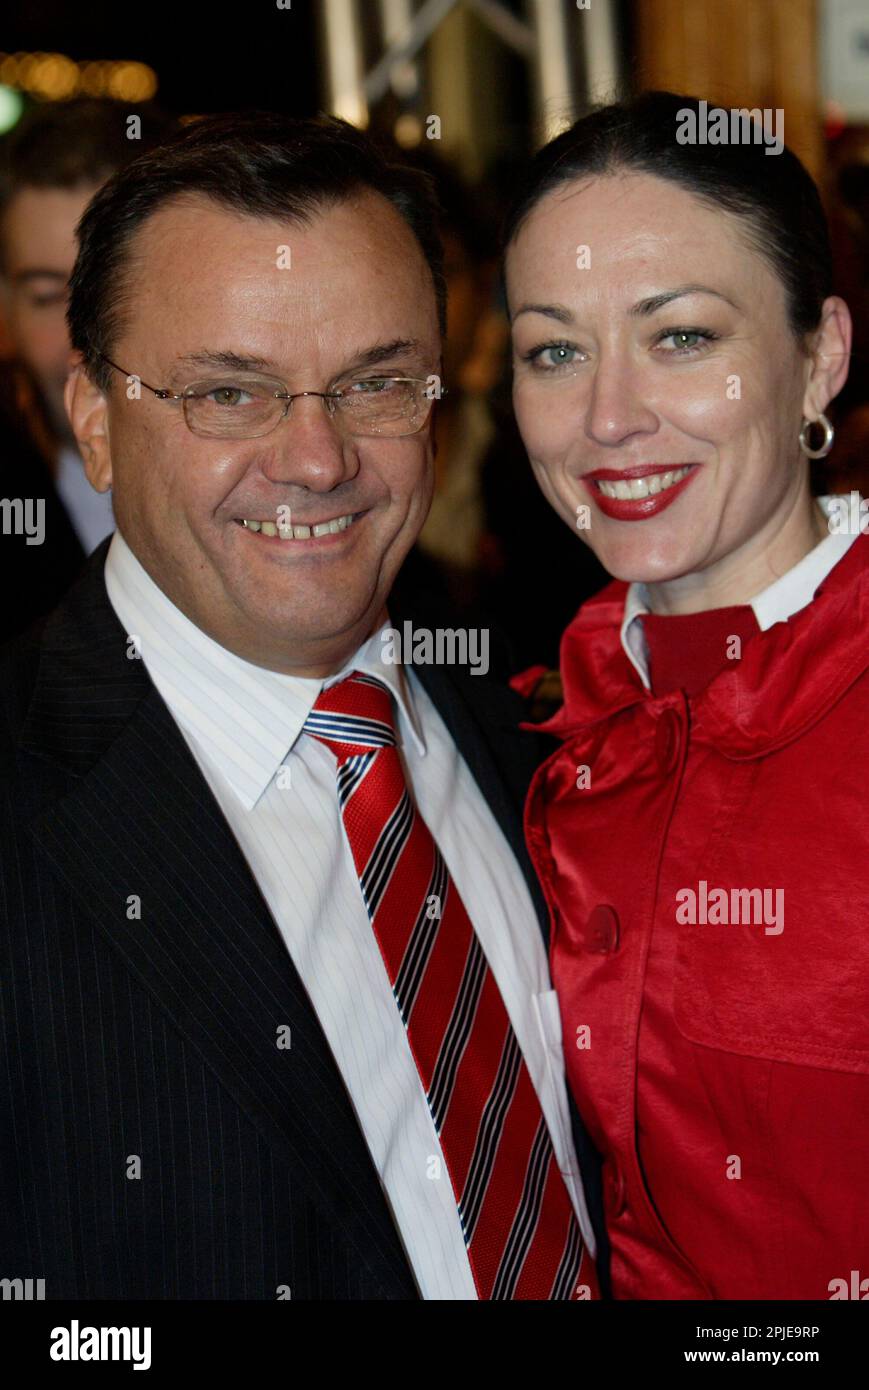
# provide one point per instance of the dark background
(206, 57)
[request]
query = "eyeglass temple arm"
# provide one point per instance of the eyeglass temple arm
(159, 391)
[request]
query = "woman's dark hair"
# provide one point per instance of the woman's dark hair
(773, 194)
(257, 163)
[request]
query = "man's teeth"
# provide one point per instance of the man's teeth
(632, 488)
(300, 533)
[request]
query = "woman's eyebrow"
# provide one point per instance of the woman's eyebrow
(549, 311)
(657, 301)
(643, 307)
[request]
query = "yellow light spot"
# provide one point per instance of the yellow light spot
(408, 130)
(93, 79)
(132, 82)
(54, 77)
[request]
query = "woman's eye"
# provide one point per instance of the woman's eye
(552, 356)
(686, 340)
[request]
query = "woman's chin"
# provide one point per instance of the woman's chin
(634, 566)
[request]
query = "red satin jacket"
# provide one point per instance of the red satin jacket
(706, 865)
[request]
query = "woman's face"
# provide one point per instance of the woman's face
(652, 356)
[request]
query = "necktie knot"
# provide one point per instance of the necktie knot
(355, 715)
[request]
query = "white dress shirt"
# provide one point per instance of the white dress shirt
(243, 725)
(775, 604)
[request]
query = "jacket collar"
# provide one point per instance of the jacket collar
(89, 682)
(87, 686)
(774, 604)
(90, 689)
(787, 678)
(244, 717)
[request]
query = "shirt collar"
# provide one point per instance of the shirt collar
(774, 604)
(243, 717)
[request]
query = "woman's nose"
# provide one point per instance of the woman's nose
(617, 407)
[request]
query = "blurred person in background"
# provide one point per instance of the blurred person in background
(51, 164)
(474, 349)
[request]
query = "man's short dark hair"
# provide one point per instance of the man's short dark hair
(259, 164)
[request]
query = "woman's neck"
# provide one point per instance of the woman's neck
(745, 572)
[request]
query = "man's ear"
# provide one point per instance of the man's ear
(87, 409)
(831, 356)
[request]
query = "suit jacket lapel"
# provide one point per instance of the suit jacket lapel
(136, 821)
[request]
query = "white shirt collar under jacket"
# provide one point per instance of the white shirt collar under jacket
(245, 718)
(775, 604)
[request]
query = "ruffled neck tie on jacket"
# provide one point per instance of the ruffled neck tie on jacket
(519, 1226)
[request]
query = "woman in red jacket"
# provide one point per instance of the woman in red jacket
(702, 829)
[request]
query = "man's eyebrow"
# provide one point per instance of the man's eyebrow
(644, 307)
(236, 362)
(239, 362)
(382, 352)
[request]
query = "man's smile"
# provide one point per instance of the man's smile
(292, 531)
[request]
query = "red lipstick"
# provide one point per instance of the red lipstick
(637, 508)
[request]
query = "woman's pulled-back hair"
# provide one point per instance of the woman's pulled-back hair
(772, 193)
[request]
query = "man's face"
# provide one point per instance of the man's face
(39, 251)
(356, 301)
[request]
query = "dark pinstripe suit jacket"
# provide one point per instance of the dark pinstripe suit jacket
(154, 1142)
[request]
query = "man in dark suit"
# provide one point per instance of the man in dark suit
(276, 1010)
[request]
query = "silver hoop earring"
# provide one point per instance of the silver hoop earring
(827, 445)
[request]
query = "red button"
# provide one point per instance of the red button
(601, 935)
(666, 740)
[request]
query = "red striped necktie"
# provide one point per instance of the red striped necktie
(521, 1233)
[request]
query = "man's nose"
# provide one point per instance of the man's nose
(617, 407)
(309, 448)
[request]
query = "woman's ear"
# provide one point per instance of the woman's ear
(830, 357)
